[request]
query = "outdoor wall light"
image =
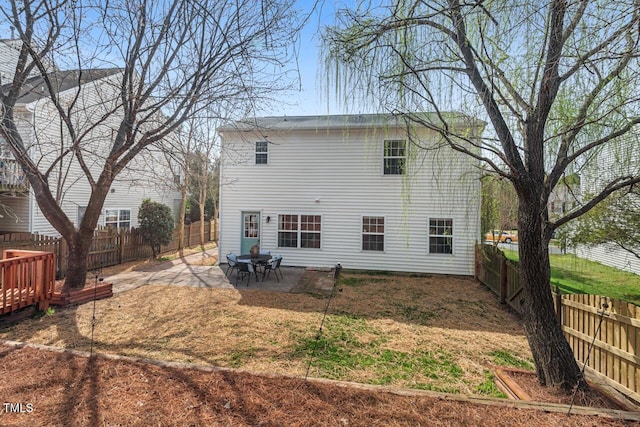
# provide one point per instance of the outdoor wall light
(268, 219)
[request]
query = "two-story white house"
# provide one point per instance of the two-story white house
(94, 92)
(367, 191)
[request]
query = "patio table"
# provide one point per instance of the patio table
(258, 261)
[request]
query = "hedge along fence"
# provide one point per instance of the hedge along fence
(612, 326)
(109, 246)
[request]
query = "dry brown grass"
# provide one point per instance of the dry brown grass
(454, 321)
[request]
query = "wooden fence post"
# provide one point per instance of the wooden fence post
(558, 306)
(121, 237)
(503, 280)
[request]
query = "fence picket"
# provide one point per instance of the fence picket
(108, 247)
(615, 355)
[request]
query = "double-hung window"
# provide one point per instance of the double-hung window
(262, 152)
(373, 233)
(440, 236)
(299, 231)
(117, 218)
(395, 156)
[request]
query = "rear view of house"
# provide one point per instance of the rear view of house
(371, 192)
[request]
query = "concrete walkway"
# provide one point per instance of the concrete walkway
(189, 271)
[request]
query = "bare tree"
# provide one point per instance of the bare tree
(154, 63)
(556, 80)
(194, 158)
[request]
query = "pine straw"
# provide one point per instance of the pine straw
(70, 390)
(452, 319)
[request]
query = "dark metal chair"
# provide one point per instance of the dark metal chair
(245, 269)
(233, 264)
(273, 265)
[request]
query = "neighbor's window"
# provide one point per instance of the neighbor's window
(440, 236)
(117, 218)
(262, 152)
(299, 231)
(395, 156)
(373, 233)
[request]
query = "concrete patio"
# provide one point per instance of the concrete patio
(189, 271)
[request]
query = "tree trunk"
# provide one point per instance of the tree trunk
(183, 208)
(555, 363)
(76, 277)
(203, 199)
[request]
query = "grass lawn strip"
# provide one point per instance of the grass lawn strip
(575, 275)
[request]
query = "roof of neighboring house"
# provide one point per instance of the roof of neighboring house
(35, 88)
(346, 121)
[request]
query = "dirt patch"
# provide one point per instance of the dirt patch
(64, 389)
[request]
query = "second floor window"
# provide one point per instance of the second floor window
(262, 152)
(395, 156)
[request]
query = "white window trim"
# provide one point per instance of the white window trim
(104, 219)
(299, 231)
(429, 235)
(405, 157)
(256, 152)
(384, 235)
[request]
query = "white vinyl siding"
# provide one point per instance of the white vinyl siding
(337, 174)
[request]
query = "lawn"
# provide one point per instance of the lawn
(433, 333)
(575, 275)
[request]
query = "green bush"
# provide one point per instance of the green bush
(156, 224)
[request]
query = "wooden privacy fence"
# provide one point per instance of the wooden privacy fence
(108, 247)
(613, 329)
(27, 278)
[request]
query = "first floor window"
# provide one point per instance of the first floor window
(373, 233)
(117, 218)
(440, 236)
(299, 231)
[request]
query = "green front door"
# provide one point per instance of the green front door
(250, 231)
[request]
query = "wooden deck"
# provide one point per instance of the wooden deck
(27, 278)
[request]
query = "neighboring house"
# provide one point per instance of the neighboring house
(619, 158)
(146, 177)
(565, 195)
(359, 190)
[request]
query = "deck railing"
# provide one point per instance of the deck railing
(27, 278)
(12, 177)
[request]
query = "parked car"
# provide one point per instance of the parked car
(501, 237)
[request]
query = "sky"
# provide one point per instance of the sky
(309, 99)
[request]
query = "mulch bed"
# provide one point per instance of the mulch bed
(57, 388)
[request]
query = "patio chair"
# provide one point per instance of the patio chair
(265, 252)
(245, 269)
(233, 264)
(273, 265)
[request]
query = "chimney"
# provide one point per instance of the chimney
(12, 28)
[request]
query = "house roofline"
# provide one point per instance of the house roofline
(349, 121)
